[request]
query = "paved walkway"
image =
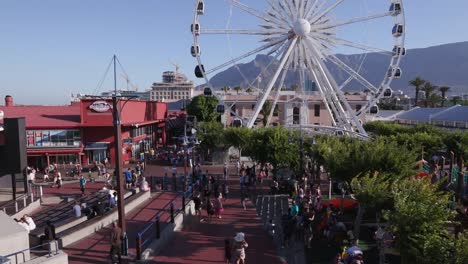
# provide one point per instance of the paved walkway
(95, 248)
(204, 242)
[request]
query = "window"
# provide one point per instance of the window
(358, 107)
(317, 110)
(53, 138)
(296, 115)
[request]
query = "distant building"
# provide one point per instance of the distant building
(455, 117)
(174, 87)
(145, 96)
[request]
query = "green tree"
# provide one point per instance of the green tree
(238, 137)
(443, 91)
(237, 89)
(371, 191)
(249, 90)
(265, 111)
(419, 217)
(461, 249)
(428, 89)
(204, 108)
(210, 135)
(455, 100)
(418, 82)
(294, 87)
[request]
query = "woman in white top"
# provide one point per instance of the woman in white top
(26, 218)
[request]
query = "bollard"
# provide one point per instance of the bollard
(40, 192)
(24, 201)
(32, 197)
(158, 228)
(138, 246)
(172, 212)
(16, 206)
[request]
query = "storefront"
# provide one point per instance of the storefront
(82, 132)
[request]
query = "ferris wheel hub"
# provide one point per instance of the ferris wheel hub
(301, 27)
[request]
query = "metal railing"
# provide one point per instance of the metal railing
(153, 229)
(15, 206)
(23, 252)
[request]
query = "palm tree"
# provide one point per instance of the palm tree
(455, 99)
(443, 90)
(226, 89)
(417, 83)
(237, 89)
(428, 89)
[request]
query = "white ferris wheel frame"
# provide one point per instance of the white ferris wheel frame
(294, 44)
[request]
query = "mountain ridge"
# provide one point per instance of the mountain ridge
(445, 64)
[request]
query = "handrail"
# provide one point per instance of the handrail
(31, 248)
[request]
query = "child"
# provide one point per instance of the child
(227, 251)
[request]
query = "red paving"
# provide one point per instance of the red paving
(95, 248)
(204, 242)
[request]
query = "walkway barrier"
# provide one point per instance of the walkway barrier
(52, 249)
(15, 206)
(153, 229)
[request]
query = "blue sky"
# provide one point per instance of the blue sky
(50, 48)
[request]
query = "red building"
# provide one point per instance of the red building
(83, 131)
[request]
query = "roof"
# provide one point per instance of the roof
(46, 116)
(420, 114)
(457, 113)
(388, 113)
(178, 105)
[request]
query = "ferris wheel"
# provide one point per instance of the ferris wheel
(303, 39)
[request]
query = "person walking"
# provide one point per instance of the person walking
(116, 244)
(209, 208)
(238, 249)
(82, 185)
(197, 201)
(218, 206)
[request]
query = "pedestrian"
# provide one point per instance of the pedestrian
(238, 249)
(198, 203)
(209, 208)
(243, 197)
(26, 218)
(225, 171)
(116, 244)
(59, 180)
(225, 190)
(82, 184)
(144, 186)
(128, 178)
(23, 223)
(77, 209)
(218, 206)
(227, 251)
(49, 233)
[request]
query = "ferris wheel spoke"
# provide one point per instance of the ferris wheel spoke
(359, 46)
(310, 8)
(248, 9)
(285, 7)
(349, 21)
(248, 54)
(325, 12)
(277, 15)
(316, 10)
(348, 119)
(239, 32)
(352, 72)
(278, 90)
(272, 82)
(300, 8)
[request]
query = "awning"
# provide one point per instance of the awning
(96, 146)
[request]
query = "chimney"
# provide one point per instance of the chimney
(9, 101)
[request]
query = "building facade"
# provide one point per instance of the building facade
(174, 87)
(82, 132)
(290, 109)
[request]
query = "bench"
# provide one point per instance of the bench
(93, 225)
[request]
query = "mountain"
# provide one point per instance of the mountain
(442, 65)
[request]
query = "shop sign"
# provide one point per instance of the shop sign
(100, 106)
